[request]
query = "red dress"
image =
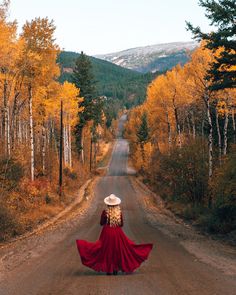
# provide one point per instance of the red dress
(113, 251)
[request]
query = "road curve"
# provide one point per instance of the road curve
(169, 270)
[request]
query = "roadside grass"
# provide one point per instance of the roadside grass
(9, 224)
(218, 221)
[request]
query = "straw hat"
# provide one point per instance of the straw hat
(112, 200)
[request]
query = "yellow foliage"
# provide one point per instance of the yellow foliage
(177, 98)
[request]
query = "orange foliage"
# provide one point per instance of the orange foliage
(175, 105)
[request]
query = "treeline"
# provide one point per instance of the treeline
(183, 137)
(33, 103)
(125, 87)
(31, 96)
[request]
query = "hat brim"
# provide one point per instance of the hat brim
(107, 202)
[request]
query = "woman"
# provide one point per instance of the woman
(113, 251)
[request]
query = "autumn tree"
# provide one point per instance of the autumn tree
(175, 89)
(38, 65)
(71, 99)
(159, 106)
(197, 68)
(9, 54)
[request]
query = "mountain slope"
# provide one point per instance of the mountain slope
(159, 57)
(112, 81)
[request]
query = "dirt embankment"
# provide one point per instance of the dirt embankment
(204, 247)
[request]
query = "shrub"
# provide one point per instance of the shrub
(11, 173)
(33, 192)
(70, 173)
(223, 184)
(183, 173)
(9, 225)
(48, 199)
(193, 212)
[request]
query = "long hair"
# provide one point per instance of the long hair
(114, 215)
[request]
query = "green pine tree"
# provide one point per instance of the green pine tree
(222, 14)
(143, 134)
(83, 79)
(143, 130)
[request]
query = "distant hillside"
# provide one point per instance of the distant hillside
(112, 81)
(159, 57)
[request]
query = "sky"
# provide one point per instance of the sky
(105, 26)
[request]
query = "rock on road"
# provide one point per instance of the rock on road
(56, 269)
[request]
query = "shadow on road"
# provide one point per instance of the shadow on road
(94, 274)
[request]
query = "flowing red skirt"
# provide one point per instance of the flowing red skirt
(113, 251)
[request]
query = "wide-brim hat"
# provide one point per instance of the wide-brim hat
(112, 200)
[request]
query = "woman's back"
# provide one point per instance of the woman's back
(107, 219)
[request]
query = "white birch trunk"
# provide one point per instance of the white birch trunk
(95, 155)
(22, 131)
(64, 144)
(234, 127)
(44, 147)
(8, 134)
(219, 135)
(177, 124)
(55, 142)
(70, 149)
(31, 134)
(14, 122)
(19, 137)
(82, 146)
(210, 138)
(226, 132)
(48, 133)
(37, 141)
(25, 133)
(193, 124)
(1, 126)
(6, 120)
(67, 145)
(169, 131)
(66, 152)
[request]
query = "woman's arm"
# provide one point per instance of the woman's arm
(103, 219)
(121, 220)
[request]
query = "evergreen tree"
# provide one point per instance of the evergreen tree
(143, 130)
(84, 80)
(222, 14)
(143, 134)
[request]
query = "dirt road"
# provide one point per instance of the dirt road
(51, 265)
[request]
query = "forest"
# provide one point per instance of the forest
(39, 117)
(183, 137)
(125, 87)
